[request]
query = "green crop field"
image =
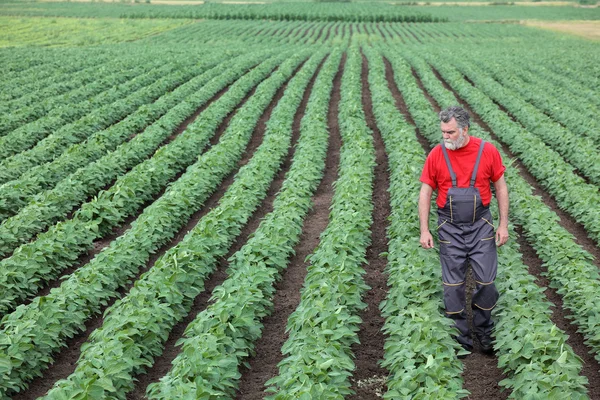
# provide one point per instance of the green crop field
(220, 200)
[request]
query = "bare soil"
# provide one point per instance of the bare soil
(65, 362)
(368, 380)
(263, 366)
(162, 364)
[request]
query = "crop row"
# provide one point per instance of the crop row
(573, 195)
(122, 100)
(324, 326)
(532, 350)
(80, 86)
(420, 348)
(58, 248)
(288, 12)
(17, 193)
(78, 116)
(568, 110)
(124, 103)
(31, 78)
(580, 151)
(136, 327)
(542, 72)
(43, 98)
(52, 205)
(94, 284)
(222, 336)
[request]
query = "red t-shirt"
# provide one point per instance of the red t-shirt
(435, 171)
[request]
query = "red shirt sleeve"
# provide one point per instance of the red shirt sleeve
(428, 175)
(497, 167)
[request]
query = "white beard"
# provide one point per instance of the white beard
(456, 144)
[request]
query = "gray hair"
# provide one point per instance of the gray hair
(460, 114)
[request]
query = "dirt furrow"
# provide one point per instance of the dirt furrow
(591, 367)
(162, 364)
(305, 33)
(320, 32)
(64, 362)
(329, 25)
(380, 30)
(368, 379)
(263, 365)
(481, 374)
(411, 32)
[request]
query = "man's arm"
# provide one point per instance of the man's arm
(424, 206)
(502, 197)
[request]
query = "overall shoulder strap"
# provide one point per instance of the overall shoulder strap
(452, 174)
(477, 163)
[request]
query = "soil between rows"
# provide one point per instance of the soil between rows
(65, 362)
(263, 366)
(368, 380)
(162, 364)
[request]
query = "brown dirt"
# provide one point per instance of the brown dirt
(591, 367)
(412, 33)
(65, 362)
(320, 33)
(368, 379)
(162, 364)
(102, 243)
(401, 104)
(296, 31)
(380, 30)
(263, 366)
(481, 374)
(534, 263)
(565, 220)
(328, 33)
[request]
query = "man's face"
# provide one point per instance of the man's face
(454, 138)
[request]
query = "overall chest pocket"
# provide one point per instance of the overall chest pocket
(463, 204)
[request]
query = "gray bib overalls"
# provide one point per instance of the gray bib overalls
(466, 235)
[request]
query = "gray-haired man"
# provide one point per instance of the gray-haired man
(461, 169)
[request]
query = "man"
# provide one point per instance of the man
(461, 169)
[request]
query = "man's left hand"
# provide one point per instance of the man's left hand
(501, 235)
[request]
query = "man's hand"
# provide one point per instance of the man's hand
(501, 235)
(426, 240)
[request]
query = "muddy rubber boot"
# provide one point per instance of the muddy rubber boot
(486, 345)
